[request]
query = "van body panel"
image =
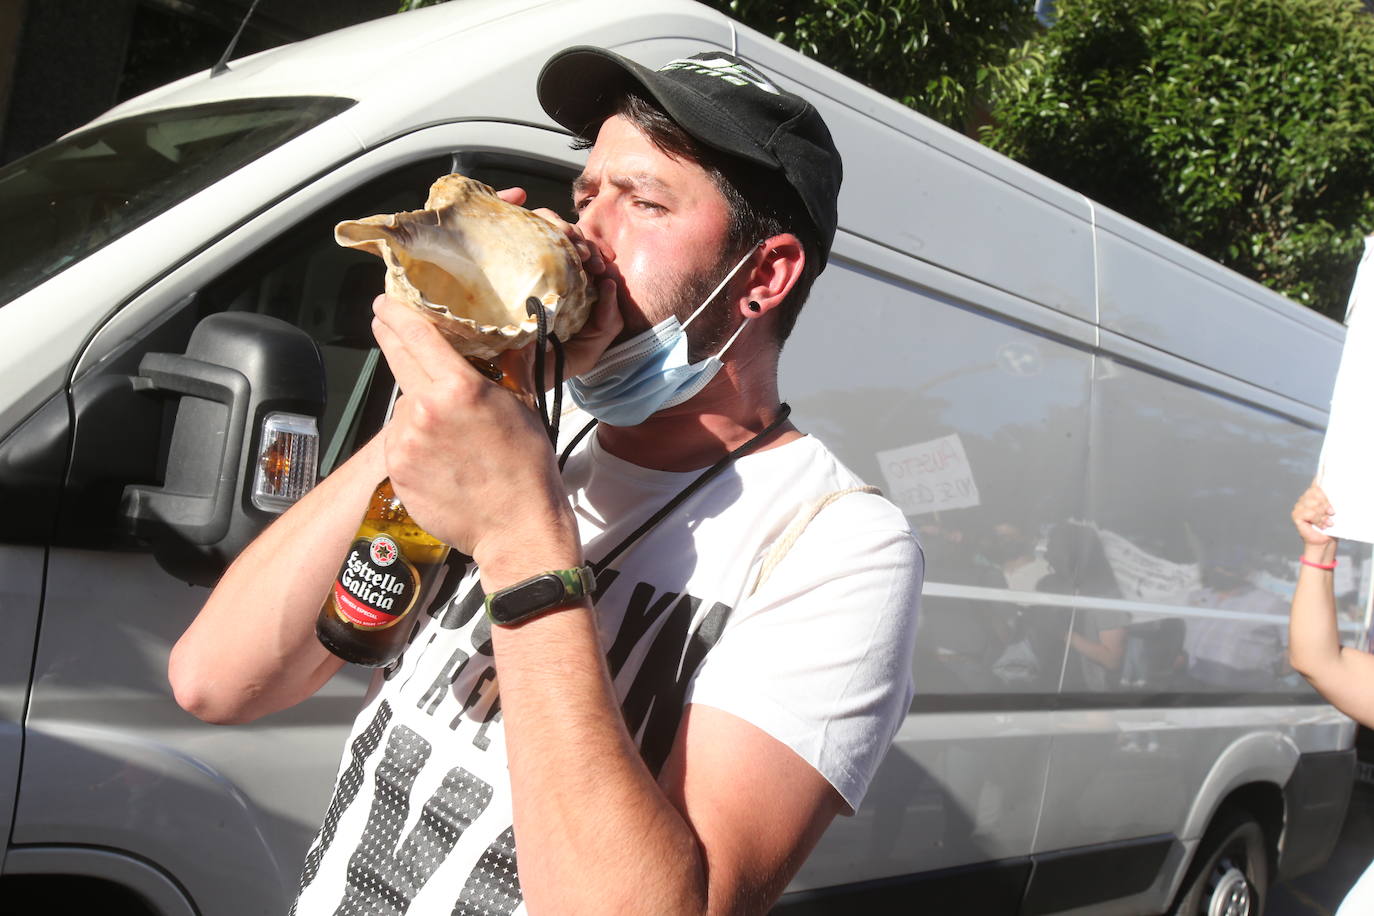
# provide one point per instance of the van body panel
(112, 761)
(1053, 883)
(1185, 258)
(926, 205)
(952, 355)
(1161, 299)
(1010, 362)
(505, 56)
(31, 381)
(21, 594)
(930, 211)
(1118, 348)
(1266, 757)
(1166, 455)
(1153, 899)
(956, 789)
(868, 257)
(1165, 763)
(1316, 794)
(435, 66)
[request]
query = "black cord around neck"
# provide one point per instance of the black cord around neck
(544, 337)
(559, 365)
(581, 434)
(687, 491)
(551, 423)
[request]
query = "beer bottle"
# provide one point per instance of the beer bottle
(386, 580)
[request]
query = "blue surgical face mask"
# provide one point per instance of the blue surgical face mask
(651, 371)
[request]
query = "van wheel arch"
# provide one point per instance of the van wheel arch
(55, 879)
(35, 895)
(1239, 851)
(1264, 802)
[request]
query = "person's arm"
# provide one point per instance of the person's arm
(252, 648)
(756, 827)
(1107, 650)
(1344, 676)
(731, 819)
(596, 833)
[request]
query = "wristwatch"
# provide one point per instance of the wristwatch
(540, 594)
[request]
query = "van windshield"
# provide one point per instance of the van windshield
(70, 198)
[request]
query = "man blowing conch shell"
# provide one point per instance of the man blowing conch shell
(470, 261)
(677, 740)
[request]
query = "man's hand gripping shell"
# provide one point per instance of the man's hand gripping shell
(605, 321)
(469, 460)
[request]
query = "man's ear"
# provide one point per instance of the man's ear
(777, 268)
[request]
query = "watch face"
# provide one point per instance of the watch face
(528, 598)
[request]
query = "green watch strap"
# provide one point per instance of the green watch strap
(539, 594)
(577, 583)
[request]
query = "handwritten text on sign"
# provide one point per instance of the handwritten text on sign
(929, 477)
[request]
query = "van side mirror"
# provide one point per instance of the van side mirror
(240, 373)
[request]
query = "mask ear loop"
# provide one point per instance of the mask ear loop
(738, 331)
(582, 433)
(728, 277)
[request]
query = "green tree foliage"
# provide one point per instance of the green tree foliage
(1242, 128)
(940, 57)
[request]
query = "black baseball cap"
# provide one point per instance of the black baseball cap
(722, 102)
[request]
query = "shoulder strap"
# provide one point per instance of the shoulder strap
(789, 537)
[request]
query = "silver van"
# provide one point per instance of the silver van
(1097, 433)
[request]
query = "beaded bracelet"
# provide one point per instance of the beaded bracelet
(1327, 566)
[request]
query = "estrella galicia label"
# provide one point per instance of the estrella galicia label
(377, 585)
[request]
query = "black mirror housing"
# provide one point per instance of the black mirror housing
(238, 368)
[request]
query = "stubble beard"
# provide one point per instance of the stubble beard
(684, 294)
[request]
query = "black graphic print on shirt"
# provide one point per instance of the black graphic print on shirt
(653, 705)
(344, 792)
(493, 888)
(382, 880)
(387, 870)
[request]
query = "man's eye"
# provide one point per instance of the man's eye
(647, 204)
(581, 203)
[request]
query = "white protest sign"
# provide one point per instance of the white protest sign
(1142, 576)
(930, 476)
(1343, 582)
(1347, 463)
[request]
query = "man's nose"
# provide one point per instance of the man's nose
(596, 228)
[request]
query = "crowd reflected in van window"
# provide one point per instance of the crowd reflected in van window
(1078, 565)
(1243, 653)
(997, 627)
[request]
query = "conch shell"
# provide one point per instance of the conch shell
(469, 261)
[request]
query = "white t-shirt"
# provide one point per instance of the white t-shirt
(818, 657)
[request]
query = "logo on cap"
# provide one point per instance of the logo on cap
(734, 72)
